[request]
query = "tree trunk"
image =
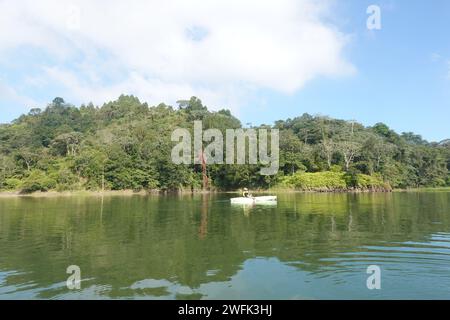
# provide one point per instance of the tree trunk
(347, 163)
(103, 180)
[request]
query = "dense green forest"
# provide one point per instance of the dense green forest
(125, 144)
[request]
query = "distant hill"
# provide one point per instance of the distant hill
(126, 144)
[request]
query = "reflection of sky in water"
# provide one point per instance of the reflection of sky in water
(407, 272)
(316, 248)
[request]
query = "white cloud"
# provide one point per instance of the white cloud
(435, 57)
(165, 50)
(9, 94)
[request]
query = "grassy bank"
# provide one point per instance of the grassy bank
(276, 189)
(55, 193)
(425, 189)
(52, 193)
(333, 182)
(327, 181)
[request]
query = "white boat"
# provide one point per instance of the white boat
(254, 200)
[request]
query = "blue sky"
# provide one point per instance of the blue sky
(263, 62)
(403, 73)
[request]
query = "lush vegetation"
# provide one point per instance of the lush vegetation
(334, 181)
(125, 144)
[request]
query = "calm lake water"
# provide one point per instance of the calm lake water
(308, 246)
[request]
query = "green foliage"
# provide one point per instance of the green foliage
(364, 181)
(336, 168)
(333, 181)
(125, 144)
(315, 181)
(12, 184)
(37, 181)
(65, 179)
(89, 164)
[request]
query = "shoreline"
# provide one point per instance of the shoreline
(50, 194)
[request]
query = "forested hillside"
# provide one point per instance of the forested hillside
(125, 144)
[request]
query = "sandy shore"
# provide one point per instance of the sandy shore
(48, 194)
(10, 194)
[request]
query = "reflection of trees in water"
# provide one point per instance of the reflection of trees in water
(203, 229)
(181, 240)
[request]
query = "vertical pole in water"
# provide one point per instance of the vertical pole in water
(103, 180)
(204, 176)
(203, 230)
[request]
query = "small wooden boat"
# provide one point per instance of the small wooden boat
(254, 200)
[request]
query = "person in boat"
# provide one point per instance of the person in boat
(246, 194)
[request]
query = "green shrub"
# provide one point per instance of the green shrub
(333, 181)
(369, 182)
(37, 181)
(336, 168)
(12, 184)
(65, 180)
(438, 182)
(317, 180)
